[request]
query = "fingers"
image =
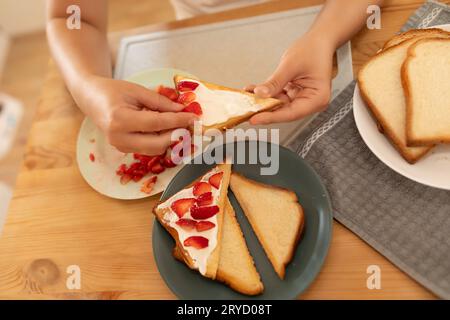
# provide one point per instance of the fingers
(128, 119)
(304, 105)
(145, 143)
(154, 101)
(152, 121)
(276, 82)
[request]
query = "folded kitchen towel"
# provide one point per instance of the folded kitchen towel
(407, 222)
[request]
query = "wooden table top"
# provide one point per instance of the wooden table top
(56, 220)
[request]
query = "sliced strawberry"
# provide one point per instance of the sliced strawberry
(168, 92)
(92, 157)
(201, 188)
(125, 178)
(137, 177)
(193, 107)
(157, 168)
(152, 162)
(181, 206)
(197, 242)
(204, 225)
(184, 86)
(202, 213)
(147, 185)
(215, 180)
(205, 199)
(186, 98)
(167, 162)
(187, 224)
(121, 169)
(133, 167)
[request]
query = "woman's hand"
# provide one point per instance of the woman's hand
(133, 118)
(302, 80)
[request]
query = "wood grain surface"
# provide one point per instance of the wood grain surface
(57, 220)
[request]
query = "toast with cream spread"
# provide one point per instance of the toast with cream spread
(220, 107)
(194, 217)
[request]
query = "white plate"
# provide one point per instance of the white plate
(432, 170)
(101, 173)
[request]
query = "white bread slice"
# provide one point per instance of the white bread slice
(416, 34)
(266, 103)
(236, 266)
(213, 259)
(381, 88)
(426, 81)
(275, 215)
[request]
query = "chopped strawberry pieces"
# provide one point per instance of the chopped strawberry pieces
(202, 213)
(193, 107)
(201, 188)
(157, 168)
(147, 185)
(184, 86)
(121, 169)
(215, 180)
(125, 178)
(204, 225)
(197, 242)
(152, 162)
(187, 224)
(205, 199)
(167, 162)
(92, 157)
(181, 206)
(168, 92)
(137, 177)
(186, 98)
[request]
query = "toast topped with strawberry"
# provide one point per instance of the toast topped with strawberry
(194, 216)
(236, 267)
(219, 107)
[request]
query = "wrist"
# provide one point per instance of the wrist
(324, 39)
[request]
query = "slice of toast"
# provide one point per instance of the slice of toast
(189, 221)
(275, 215)
(426, 81)
(416, 34)
(222, 107)
(381, 88)
(236, 266)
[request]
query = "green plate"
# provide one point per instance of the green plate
(295, 174)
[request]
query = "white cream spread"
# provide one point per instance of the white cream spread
(199, 256)
(220, 105)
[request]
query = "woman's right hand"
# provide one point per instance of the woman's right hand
(133, 118)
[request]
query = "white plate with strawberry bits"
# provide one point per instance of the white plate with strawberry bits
(126, 176)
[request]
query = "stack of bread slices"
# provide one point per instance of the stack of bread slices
(207, 234)
(406, 86)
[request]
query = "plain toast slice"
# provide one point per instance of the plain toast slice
(416, 34)
(275, 215)
(381, 88)
(426, 81)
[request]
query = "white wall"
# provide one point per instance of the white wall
(22, 16)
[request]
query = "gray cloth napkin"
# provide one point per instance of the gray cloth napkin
(407, 222)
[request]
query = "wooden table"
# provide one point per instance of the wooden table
(57, 220)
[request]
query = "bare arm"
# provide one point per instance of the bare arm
(340, 20)
(133, 118)
(303, 77)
